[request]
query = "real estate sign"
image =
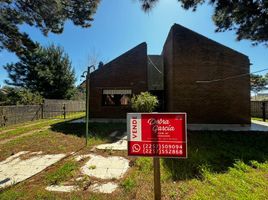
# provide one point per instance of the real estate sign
(157, 134)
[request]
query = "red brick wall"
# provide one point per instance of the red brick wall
(168, 71)
(194, 57)
(128, 71)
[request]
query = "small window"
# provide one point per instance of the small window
(116, 97)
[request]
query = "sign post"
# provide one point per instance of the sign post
(157, 184)
(157, 135)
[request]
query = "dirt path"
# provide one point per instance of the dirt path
(24, 134)
(26, 126)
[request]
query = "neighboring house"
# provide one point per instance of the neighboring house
(187, 58)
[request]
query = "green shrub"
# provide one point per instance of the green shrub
(144, 102)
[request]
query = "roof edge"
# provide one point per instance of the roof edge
(123, 54)
(218, 43)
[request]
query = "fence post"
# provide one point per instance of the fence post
(42, 111)
(64, 111)
(264, 111)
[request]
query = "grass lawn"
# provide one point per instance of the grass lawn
(18, 129)
(221, 165)
(258, 119)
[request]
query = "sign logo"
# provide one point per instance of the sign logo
(136, 148)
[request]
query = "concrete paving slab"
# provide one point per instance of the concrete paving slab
(106, 167)
(62, 188)
(77, 121)
(120, 145)
(10, 158)
(113, 134)
(254, 126)
(81, 157)
(123, 137)
(104, 188)
(14, 169)
(36, 153)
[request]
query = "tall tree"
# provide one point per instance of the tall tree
(248, 18)
(46, 70)
(47, 15)
(258, 83)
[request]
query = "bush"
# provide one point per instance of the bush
(144, 102)
(20, 96)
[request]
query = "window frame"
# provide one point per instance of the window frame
(102, 97)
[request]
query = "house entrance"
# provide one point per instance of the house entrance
(160, 96)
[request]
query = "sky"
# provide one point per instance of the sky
(120, 25)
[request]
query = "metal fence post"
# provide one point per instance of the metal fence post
(264, 111)
(87, 100)
(64, 111)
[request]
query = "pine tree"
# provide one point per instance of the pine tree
(46, 70)
(46, 15)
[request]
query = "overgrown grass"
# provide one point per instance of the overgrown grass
(241, 181)
(68, 117)
(217, 151)
(63, 173)
(46, 141)
(14, 126)
(24, 128)
(144, 164)
(220, 165)
(11, 195)
(258, 119)
(128, 184)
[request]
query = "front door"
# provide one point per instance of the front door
(160, 96)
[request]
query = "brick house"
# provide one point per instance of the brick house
(178, 77)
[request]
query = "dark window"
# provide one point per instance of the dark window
(116, 97)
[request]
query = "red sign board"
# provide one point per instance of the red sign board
(157, 134)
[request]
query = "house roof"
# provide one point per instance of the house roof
(141, 45)
(176, 28)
